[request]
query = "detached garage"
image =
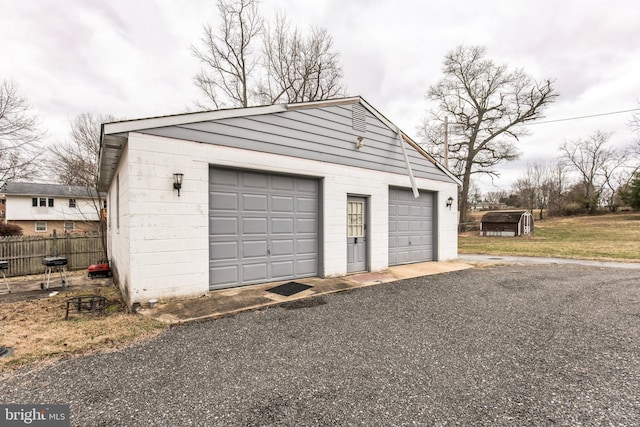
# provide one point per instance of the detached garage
(218, 199)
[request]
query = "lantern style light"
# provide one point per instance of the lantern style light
(177, 182)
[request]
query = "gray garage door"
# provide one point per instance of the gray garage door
(262, 227)
(410, 227)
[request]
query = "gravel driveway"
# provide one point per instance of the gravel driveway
(507, 345)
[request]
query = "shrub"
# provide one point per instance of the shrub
(10, 229)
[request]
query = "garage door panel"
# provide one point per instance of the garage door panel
(254, 226)
(306, 267)
(281, 269)
(306, 246)
(263, 227)
(254, 202)
(281, 182)
(403, 257)
(410, 227)
(254, 180)
(402, 241)
(224, 200)
(306, 226)
(282, 247)
(224, 250)
(308, 186)
(225, 275)
(282, 203)
(226, 177)
(282, 225)
(254, 272)
(253, 249)
(223, 226)
(306, 205)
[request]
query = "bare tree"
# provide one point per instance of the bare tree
(489, 103)
(596, 163)
(536, 186)
(299, 69)
(228, 59)
(496, 197)
(19, 136)
(75, 162)
(289, 67)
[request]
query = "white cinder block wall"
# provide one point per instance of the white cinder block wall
(118, 224)
(168, 235)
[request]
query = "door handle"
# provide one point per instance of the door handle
(355, 240)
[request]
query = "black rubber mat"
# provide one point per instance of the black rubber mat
(289, 289)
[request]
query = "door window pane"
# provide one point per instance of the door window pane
(355, 219)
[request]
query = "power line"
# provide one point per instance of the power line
(582, 117)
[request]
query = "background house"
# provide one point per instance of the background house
(43, 208)
(506, 223)
(268, 194)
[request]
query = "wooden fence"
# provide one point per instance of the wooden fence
(25, 253)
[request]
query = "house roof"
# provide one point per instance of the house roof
(37, 189)
(114, 135)
(508, 217)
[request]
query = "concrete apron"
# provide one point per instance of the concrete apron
(235, 300)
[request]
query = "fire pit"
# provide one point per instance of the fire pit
(89, 303)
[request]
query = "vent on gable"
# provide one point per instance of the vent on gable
(358, 116)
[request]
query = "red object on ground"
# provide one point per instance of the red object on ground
(99, 270)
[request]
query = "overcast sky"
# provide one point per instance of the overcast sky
(131, 58)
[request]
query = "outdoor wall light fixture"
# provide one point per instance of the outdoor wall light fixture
(360, 142)
(177, 182)
(449, 202)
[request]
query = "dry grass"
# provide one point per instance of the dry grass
(37, 332)
(614, 237)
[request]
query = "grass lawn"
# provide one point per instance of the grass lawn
(613, 237)
(37, 332)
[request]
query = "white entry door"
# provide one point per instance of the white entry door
(356, 234)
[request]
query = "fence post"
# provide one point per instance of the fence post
(54, 244)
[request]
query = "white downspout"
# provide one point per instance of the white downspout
(414, 187)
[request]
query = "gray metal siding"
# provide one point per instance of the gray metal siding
(324, 134)
(411, 225)
(262, 227)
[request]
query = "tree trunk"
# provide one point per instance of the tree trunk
(464, 195)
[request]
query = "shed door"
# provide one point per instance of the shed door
(410, 227)
(262, 227)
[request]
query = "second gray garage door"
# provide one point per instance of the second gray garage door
(410, 227)
(262, 227)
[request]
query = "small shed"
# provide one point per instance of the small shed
(507, 223)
